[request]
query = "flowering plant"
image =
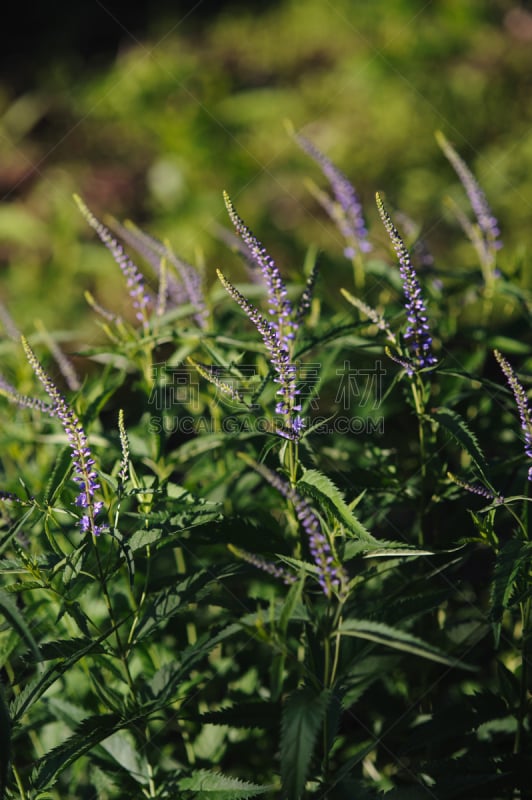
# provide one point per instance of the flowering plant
(268, 579)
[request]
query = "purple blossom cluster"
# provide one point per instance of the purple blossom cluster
(278, 332)
(521, 401)
(85, 474)
(134, 278)
(22, 400)
(265, 566)
(187, 288)
(417, 335)
(476, 488)
(486, 221)
(331, 576)
(346, 209)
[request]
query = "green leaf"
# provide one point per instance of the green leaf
(37, 687)
(89, 733)
(143, 538)
(381, 548)
(121, 748)
(460, 432)
(5, 742)
(164, 684)
(320, 487)
(293, 600)
(13, 615)
(303, 715)
(245, 715)
(398, 640)
(21, 525)
(174, 600)
(510, 561)
(208, 785)
(65, 648)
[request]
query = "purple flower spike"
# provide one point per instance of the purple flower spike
(489, 227)
(22, 400)
(350, 221)
(186, 288)
(280, 307)
(521, 401)
(130, 271)
(417, 335)
(265, 566)
(331, 575)
(277, 332)
(84, 473)
(280, 360)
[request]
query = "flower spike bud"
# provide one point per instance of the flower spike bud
(123, 472)
(331, 575)
(130, 271)
(521, 401)
(23, 400)
(280, 307)
(417, 336)
(85, 474)
(261, 563)
(350, 220)
(184, 284)
(486, 221)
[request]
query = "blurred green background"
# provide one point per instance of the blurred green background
(150, 114)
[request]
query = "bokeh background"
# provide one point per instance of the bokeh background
(150, 110)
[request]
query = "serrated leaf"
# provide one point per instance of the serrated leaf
(5, 541)
(164, 684)
(510, 560)
(398, 640)
(37, 687)
(64, 648)
(9, 609)
(89, 733)
(380, 548)
(169, 602)
(143, 538)
(461, 433)
(320, 487)
(303, 716)
(208, 785)
(245, 715)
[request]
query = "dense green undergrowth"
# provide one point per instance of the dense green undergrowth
(268, 537)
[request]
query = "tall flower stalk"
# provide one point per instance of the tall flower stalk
(134, 278)
(85, 475)
(521, 401)
(331, 575)
(418, 341)
(485, 236)
(142, 301)
(344, 207)
(277, 331)
(184, 284)
(417, 335)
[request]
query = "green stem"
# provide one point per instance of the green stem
(417, 394)
(359, 273)
(20, 787)
(523, 699)
(293, 448)
(152, 792)
(120, 648)
(330, 669)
